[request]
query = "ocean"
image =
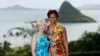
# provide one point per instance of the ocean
(20, 18)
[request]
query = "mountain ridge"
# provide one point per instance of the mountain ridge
(19, 7)
(69, 14)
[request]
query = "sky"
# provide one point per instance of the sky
(45, 4)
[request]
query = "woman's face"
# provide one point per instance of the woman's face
(52, 18)
(42, 27)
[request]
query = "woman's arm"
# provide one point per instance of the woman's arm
(65, 40)
(33, 45)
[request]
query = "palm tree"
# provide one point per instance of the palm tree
(24, 31)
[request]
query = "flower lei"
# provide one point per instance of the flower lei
(57, 30)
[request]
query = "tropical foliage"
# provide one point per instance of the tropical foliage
(88, 44)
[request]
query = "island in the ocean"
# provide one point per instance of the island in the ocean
(16, 7)
(70, 14)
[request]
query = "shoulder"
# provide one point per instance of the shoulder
(62, 26)
(34, 35)
(45, 35)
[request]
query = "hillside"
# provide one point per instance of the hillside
(16, 7)
(69, 14)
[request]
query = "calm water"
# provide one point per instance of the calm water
(11, 19)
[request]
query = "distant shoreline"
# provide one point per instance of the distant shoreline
(19, 7)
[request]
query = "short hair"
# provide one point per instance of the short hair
(39, 23)
(52, 12)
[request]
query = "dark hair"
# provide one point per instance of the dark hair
(52, 12)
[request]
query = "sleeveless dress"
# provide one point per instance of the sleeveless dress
(42, 45)
(56, 43)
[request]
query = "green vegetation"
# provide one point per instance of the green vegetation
(1, 49)
(20, 51)
(87, 45)
(17, 51)
(5, 47)
(25, 50)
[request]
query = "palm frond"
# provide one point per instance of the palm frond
(32, 25)
(23, 31)
(4, 35)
